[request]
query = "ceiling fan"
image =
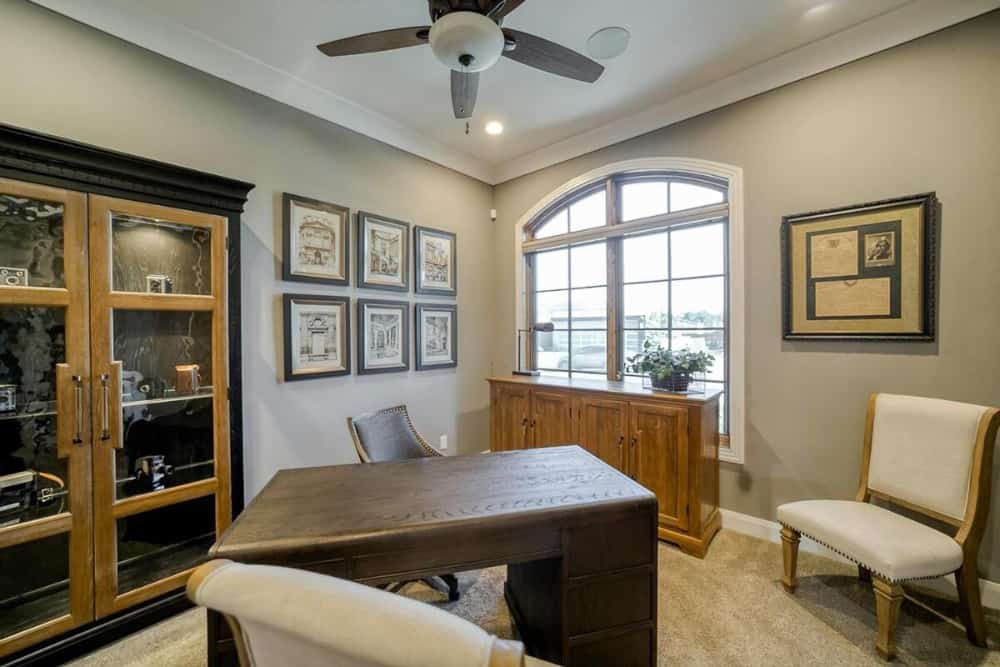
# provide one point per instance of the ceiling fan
(468, 36)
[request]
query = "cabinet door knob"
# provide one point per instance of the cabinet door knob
(532, 423)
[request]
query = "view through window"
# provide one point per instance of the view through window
(665, 252)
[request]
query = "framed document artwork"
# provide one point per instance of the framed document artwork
(861, 272)
(314, 241)
(317, 336)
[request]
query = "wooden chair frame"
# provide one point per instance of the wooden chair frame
(400, 409)
(889, 594)
(504, 653)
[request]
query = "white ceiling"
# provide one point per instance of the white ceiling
(685, 57)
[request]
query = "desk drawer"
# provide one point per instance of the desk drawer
(602, 603)
(610, 546)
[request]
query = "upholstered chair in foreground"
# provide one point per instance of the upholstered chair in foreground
(389, 435)
(928, 456)
(281, 616)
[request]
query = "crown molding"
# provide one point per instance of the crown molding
(131, 23)
(913, 20)
(167, 38)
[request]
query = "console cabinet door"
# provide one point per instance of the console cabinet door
(603, 429)
(551, 418)
(509, 421)
(659, 457)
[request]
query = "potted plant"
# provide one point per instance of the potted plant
(668, 370)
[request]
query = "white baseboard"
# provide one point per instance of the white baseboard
(771, 531)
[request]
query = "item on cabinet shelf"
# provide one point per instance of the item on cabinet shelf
(130, 385)
(317, 336)
(153, 388)
(383, 253)
(864, 272)
(437, 336)
(315, 237)
(157, 283)
(667, 370)
(13, 276)
(537, 327)
(22, 491)
(152, 473)
(8, 397)
(188, 378)
(436, 261)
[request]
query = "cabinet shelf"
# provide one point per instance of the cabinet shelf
(178, 398)
(43, 409)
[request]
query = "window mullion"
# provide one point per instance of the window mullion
(613, 290)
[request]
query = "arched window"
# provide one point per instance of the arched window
(625, 259)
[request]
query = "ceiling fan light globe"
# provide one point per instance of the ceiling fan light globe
(458, 36)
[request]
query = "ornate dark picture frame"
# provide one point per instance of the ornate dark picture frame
(861, 273)
(402, 337)
(369, 257)
(290, 242)
(343, 334)
(423, 283)
(422, 310)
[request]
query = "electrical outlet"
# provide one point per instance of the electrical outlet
(443, 443)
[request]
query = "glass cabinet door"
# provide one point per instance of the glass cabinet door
(160, 410)
(45, 465)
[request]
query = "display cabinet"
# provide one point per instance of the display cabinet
(118, 358)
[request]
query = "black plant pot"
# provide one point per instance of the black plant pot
(677, 382)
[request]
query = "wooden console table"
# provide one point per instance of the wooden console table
(579, 539)
(669, 443)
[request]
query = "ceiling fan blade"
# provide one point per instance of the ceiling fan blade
(547, 56)
(383, 40)
(504, 7)
(464, 89)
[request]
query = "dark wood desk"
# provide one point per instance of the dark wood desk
(579, 539)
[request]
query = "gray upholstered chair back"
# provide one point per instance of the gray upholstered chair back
(388, 435)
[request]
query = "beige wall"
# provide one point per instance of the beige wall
(923, 116)
(66, 79)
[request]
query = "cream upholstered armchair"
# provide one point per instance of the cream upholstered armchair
(926, 455)
(282, 616)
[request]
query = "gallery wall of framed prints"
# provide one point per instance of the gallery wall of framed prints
(317, 327)
(863, 272)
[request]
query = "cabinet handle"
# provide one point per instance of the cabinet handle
(635, 441)
(524, 423)
(621, 441)
(532, 423)
(105, 408)
(78, 409)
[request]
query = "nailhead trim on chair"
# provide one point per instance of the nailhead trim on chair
(864, 565)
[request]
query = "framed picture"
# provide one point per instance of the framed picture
(383, 336)
(861, 272)
(317, 336)
(315, 241)
(383, 253)
(437, 336)
(436, 262)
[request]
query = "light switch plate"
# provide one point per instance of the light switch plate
(443, 443)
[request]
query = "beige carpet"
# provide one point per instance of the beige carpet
(728, 609)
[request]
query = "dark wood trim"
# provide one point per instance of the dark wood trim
(929, 269)
(286, 239)
(345, 334)
(85, 167)
(360, 260)
(404, 307)
(418, 309)
(93, 636)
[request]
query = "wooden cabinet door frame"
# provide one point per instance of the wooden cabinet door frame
(551, 412)
(510, 418)
(599, 441)
(77, 522)
(638, 441)
(104, 301)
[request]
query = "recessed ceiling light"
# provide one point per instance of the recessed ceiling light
(819, 10)
(494, 127)
(608, 43)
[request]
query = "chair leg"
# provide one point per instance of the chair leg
(452, 582)
(971, 605)
(888, 600)
(864, 575)
(790, 554)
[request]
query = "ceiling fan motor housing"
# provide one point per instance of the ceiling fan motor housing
(466, 41)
